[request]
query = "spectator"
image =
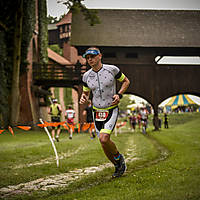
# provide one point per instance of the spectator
(166, 120)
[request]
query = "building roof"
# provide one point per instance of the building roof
(67, 19)
(57, 58)
(139, 28)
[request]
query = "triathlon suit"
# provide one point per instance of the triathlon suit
(89, 118)
(55, 116)
(143, 115)
(70, 114)
(103, 87)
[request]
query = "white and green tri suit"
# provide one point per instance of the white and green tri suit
(102, 84)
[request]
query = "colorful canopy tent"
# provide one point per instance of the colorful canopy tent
(180, 100)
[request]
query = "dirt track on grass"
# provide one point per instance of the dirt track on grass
(64, 179)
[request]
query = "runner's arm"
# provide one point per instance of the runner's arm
(59, 109)
(124, 86)
(50, 111)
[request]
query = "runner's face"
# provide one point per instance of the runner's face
(93, 60)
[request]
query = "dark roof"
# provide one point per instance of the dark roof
(57, 58)
(139, 28)
(67, 19)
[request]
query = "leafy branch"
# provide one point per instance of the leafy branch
(76, 6)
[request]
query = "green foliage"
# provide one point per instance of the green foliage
(75, 6)
(27, 29)
(124, 102)
(43, 31)
(68, 96)
(4, 89)
(7, 27)
(56, 49)
(56, 93)
(52, 20)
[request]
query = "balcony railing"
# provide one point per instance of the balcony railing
(57, 75)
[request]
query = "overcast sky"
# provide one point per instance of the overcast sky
(57, 9)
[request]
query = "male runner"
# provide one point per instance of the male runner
(70, 115)
(101, 80)
(55, 111)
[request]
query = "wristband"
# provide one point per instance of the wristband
(120, 95)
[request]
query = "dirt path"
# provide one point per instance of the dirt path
(64, 179)
(60, 180)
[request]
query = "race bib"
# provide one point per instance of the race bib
(101, 115)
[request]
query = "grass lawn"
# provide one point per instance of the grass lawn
(162, 165)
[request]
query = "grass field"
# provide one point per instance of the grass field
(163, 165)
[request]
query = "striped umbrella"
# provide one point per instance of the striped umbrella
(180, 100)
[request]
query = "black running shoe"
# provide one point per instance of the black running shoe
(57, 139)
(120, 168)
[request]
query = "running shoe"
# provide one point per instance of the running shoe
(120, 167)
(57, 138)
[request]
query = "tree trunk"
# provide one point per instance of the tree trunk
(15, 92)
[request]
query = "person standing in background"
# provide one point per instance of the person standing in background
(166, 120)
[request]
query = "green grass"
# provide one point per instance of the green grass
(167, 164)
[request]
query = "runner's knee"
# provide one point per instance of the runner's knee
(104, 138)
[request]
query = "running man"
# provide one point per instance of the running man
(89, 119)
(101, 80)
(144, 118)
(69, 116)
(55, 111)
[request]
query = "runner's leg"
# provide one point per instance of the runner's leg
(108, 146)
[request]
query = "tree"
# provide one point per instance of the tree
(15, 93)
(56, 49)
(125, 101)
(52, 20)
(75, 6)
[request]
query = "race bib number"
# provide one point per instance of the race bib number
(101, 115)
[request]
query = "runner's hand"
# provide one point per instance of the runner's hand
(83, 99)
(116, 99)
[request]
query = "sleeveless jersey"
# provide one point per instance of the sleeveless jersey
(55, 110)
(102, 84)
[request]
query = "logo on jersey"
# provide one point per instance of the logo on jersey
(92, 76)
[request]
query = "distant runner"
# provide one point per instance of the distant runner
(69, 116)
(55, 112)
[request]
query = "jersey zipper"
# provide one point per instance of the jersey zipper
(99, 85)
